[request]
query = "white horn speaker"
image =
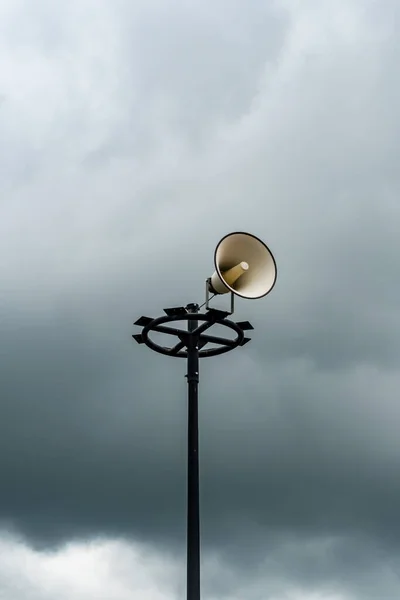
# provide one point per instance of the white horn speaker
(244, 265)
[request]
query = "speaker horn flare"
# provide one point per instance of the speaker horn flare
(244, 265)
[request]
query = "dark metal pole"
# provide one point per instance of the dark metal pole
(193, 503)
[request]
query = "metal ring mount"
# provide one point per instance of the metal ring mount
(196, 336)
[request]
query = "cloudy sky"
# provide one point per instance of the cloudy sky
(133, 135)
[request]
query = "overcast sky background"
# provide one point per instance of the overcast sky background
(133, 135)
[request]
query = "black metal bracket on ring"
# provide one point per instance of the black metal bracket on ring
(197, 336)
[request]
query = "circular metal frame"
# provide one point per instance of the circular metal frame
(189, 337)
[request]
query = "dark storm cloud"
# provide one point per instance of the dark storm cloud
(299, 442)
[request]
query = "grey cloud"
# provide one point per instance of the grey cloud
(298, 430)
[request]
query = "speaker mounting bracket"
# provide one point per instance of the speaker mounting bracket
(208, 297)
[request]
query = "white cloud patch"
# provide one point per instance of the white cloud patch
(98, 570)
(104, 569)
